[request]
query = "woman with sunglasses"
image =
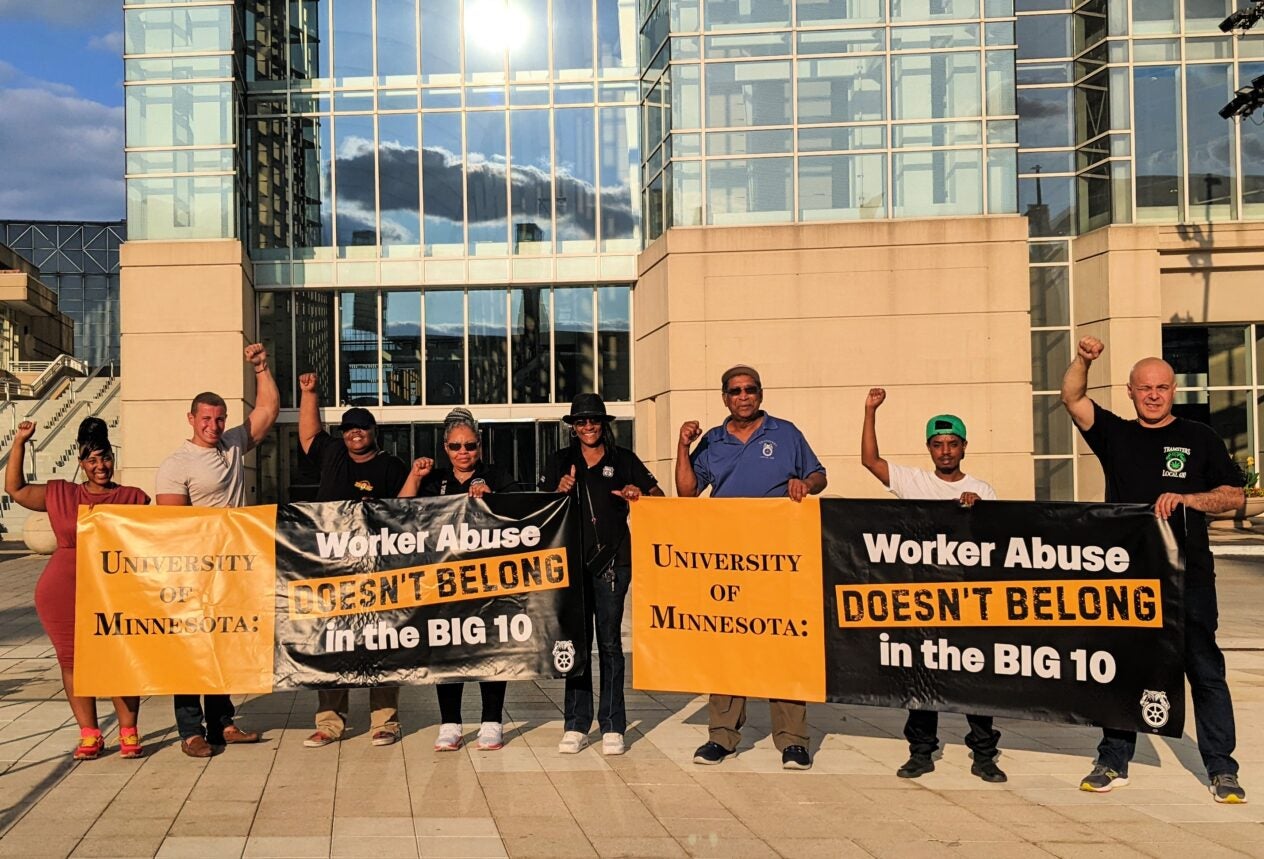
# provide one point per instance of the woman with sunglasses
(467, 474)
(604, 478)
(55, 591)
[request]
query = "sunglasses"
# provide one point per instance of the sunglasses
(583, 422)
(742, 389)
(454, 446)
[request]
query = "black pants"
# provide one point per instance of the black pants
(450, 700)
(921, 729)
(1213, 708)
(605, 606)
(218, 715)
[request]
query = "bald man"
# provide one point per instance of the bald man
(1169, 462)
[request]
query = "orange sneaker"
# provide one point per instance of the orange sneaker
(90, 745)
(129, 743)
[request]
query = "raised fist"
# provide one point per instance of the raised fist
(876, 397)
(257, 355)
(689, 432)
(1090, 348)
(25, 430)
(307, 383)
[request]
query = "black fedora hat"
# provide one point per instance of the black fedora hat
(587, 406)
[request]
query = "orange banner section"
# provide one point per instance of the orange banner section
(728, 597)
(451, 581)
(1114, 603)
(169, 593)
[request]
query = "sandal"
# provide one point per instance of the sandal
(129, 743)
(91, 744)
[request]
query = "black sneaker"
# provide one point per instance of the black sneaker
(711, 753)
(988, 771)
(795, 758)
(916, 766)
(1103, 779)
(1225, 788)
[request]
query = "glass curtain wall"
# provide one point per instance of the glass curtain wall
(826, 110)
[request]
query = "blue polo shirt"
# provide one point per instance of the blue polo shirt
(760, 468)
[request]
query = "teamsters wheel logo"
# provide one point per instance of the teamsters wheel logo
(1154, 708)
(564, 657)
(1176, 461)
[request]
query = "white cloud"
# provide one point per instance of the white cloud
(76, 12)
(111, 43)
(63, 154)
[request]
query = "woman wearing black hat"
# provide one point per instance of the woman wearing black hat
(604, 478)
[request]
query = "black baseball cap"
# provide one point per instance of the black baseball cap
(358, 418)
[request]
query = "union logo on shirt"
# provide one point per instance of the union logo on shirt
(769, 448)
(364, 486)
(1174, 461)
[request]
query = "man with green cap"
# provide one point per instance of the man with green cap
(946, 442)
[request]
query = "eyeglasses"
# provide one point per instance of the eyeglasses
(737, 390)
(583, 422)
(454, 446)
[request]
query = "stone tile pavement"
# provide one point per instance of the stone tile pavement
(279, 799)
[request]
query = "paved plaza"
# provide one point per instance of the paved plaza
(279, 799)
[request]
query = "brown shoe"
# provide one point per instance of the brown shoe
(196, 747)
(234, 735)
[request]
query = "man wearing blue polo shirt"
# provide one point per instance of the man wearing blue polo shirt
(751, 455)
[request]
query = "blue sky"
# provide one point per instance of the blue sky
(61, 109)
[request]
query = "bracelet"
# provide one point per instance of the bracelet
(262, 369)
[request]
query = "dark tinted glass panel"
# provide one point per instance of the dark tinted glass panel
(445, 347)
(489, 345)
(357, 347)
(529, 321)
(573, 336)
(275, 333)
(614, 339)
(314, 324)
(401, 348)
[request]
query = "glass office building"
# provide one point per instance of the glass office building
(445, 202)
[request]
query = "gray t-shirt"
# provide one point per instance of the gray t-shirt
(209, 476)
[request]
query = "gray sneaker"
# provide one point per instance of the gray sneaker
(1225, 788)
(1103, 779)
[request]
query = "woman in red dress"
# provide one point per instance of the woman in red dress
(55, 592)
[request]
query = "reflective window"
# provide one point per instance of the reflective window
(926, 38)
(1050, 296)
(576, 192)
(399, 187)
(573, 339)
(1055, 479)
(445, 347)
(750, 191)
(1207, 14)
(440, 41)
(935, 86)
(353, 41)
(1048, 203)
(620, 160)
(938, 183)
(1051, 425)
(313, 338)
(842, 187)
(1050, 355)
(1043, 36)
(529, 341)
(489, 345)
(396, 41)
(1155, 16)
(276, 325)
(1046, 118)
(354, 185)
(531, 182)
(1157, 143)
(841, 90)
(686, 101)
(1212, 158)
(443, 208)
(614, 340)
(814, 13)
(929, 10)
(180, 115)
(573, 39)
(743, 94)
(841, 41)
(358, 347)
(181, 207)
(616, 36)
(487, 203)
(529, 41)
(1252, 160)
(488, 32)
(170, 31)
(401, 348)
(686, 194)
(722, 14)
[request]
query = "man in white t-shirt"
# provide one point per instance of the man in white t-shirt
(208, 471)
(946, 442)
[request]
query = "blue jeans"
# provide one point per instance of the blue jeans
(605, 606)
(189, 715)
(1213, 708)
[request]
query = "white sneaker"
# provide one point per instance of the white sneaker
(491, 736)
(573, 742)
(612, 744)
(450, 737)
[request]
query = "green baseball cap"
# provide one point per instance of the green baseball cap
(945, 425)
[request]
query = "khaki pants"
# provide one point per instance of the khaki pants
(727, 714)
(331, 717)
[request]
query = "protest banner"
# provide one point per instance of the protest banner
(381, 592)
(1061, 612)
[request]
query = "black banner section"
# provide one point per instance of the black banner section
(430, 590)
(1061, 612)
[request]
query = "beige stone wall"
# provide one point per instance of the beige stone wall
(187, 310)
(935, 311)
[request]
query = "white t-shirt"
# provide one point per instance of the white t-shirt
(209, 476)
(918, 484)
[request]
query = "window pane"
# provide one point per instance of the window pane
(576, 180)
(531, 181)
(353, 42)
(841, 90)
(358, 348)
(687, 98)
(1157, 143)
(1050, 355)
(749, 191)
(1052, 425)
(1252, 153)
(486, 191)
(445, 347)
(1000, 83)
(744, 94)
(928, 10)
(487, 35)
(573, 337)
(1211, 153)
(686, 194)
(180, 115)
(723, 14)
(1050, 296)
(399, 182)
(616, 38)
(573, 38)
(182, 207)
(620, 161)
(1207, 14)
(314, 324)
(936, 86)
(443, 208)
(614, 338)
(1210, 356)
(938, 183)
(401, 348)
(841, 41)
(440, 41)
(1043, 36)
(276, 325)
(489, 346)
(1055, 480)
(169, 31)
(1002, 184)
(1045, 118)
(529, 339)
(813, 13)
(396, 41)
(842, 187)
(355, 189)
(1047, 203)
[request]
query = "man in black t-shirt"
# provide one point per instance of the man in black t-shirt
(351, 469)
(1170, 462)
